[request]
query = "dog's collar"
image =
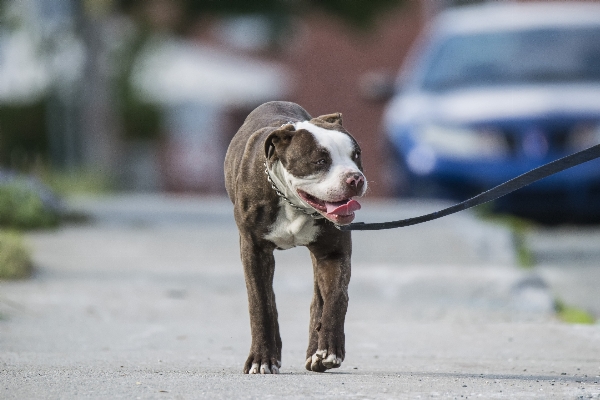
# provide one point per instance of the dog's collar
(315, 215)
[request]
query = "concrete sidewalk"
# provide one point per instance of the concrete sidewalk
(149, 302)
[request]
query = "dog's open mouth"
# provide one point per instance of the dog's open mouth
(340, 212)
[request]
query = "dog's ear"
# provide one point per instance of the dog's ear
(335, 118)
(278, 139)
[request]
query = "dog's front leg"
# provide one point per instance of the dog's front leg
(259, 268)
(331, 266)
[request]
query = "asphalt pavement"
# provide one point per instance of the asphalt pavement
(147, 300)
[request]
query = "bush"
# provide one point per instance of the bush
(22, 206)
(572, 315)
(15, 260)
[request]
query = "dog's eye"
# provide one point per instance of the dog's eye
(356, 155)
(321, 161)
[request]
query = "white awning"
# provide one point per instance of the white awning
(175, 71)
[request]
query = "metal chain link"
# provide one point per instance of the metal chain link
(315, 215)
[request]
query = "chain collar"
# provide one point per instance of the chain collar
(315, 214)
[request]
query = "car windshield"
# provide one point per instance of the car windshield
(515, 57)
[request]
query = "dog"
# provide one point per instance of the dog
(291, 179)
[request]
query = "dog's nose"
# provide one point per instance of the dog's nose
(356, 181)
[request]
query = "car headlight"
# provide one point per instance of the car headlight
(460, 142)
(583, 136)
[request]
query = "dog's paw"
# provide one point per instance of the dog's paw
(321, 361)
(262, 368)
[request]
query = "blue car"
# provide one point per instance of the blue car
(493, 91)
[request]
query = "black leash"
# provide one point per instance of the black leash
(492, 194)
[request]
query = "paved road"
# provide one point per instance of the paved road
(149, 302)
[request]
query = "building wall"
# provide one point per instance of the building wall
(329, 59)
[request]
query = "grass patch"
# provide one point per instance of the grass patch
(573, 315)
(22, 208)
(76, 182)
(15, 257)
(519, 228)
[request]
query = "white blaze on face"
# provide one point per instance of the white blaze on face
(331, 185)
(293, 228)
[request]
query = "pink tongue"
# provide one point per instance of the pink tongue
(342, 207)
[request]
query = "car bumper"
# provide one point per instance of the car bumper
(574, 192)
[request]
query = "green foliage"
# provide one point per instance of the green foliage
(23, 138)
(76, 182)
(22, 208)
(357, 12)
(239, 6)
(519, 228)
(15, 260)
(140, 120)
(573, 315)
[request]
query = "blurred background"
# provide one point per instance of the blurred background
(135, 102)
(145, 95)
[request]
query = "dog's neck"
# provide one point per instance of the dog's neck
(276, 178)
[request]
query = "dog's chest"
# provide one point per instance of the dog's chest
(292, 228)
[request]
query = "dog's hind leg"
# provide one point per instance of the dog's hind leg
(331, 266)
(259, 268)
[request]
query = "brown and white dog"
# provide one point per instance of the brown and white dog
(291, 177)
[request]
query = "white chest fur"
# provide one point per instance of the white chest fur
(292, 228)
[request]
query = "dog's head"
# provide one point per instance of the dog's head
(317, 164)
